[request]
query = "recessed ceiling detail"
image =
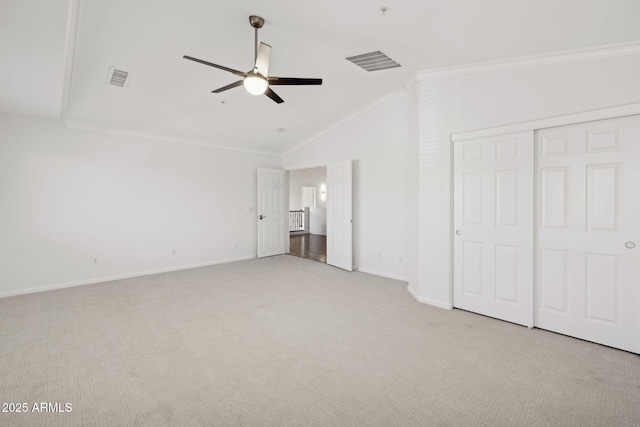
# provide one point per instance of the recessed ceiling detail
(373, 61)
(118, 77)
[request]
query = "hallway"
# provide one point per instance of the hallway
(310, 246)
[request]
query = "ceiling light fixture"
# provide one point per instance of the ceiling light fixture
(255, 84)
(258, 81)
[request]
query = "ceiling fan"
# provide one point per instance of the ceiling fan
(257, 81)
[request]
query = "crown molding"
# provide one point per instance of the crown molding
(169, 138)
(599, 53)
(346, 118)
(71, 52)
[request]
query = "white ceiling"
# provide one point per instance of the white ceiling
(44, 60)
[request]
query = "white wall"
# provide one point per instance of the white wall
(318, 221)
(376, 139)
(309, 177)
(454, 102)
(69, 196)
(402, 150)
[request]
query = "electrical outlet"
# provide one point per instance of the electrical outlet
(379, 255)
(95, 261)
(235, 245)
(400, 260)
(173, 252)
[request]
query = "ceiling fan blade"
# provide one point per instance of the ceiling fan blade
(271, 94)
(231, 70)
(262, 60)
(227, 87)
(293, 81)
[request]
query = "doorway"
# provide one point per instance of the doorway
(308, 213)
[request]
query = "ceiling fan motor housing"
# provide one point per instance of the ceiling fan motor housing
(256, 21)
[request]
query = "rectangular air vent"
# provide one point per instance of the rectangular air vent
(373, 61)
(118, 77)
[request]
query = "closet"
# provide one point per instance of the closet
(546, 223)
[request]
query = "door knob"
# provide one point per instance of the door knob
(458, 232)
(261, 217)
(630, 245)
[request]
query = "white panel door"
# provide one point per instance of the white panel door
(271, 214)
(493, 220)
(339, 215)
(588, 275)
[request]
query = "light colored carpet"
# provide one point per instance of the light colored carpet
(288, 341)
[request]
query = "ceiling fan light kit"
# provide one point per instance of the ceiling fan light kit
(257, 81)
(255, 84)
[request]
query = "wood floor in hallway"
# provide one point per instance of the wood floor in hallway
(310, 246)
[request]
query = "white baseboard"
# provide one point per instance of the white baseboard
(429, 301)
(120, 276)
(387, 275)
(413, 293)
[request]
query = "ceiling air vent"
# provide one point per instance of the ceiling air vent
(373, 61)
(118, 77)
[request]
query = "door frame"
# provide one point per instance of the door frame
(287, 195)
(533, 125)
(287, 188)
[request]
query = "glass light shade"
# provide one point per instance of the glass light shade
(255, 85)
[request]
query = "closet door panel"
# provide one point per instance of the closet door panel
(493, 219)
(588, 197)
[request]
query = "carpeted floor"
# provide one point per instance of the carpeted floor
(288, 341)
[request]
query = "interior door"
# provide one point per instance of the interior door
(308, 196)
(272, 227)
(588, 275)
(339, 215)
(493, 220)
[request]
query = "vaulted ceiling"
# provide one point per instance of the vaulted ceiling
(56, 55)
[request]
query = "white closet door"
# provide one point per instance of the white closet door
(588, 275)
(493, 220)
